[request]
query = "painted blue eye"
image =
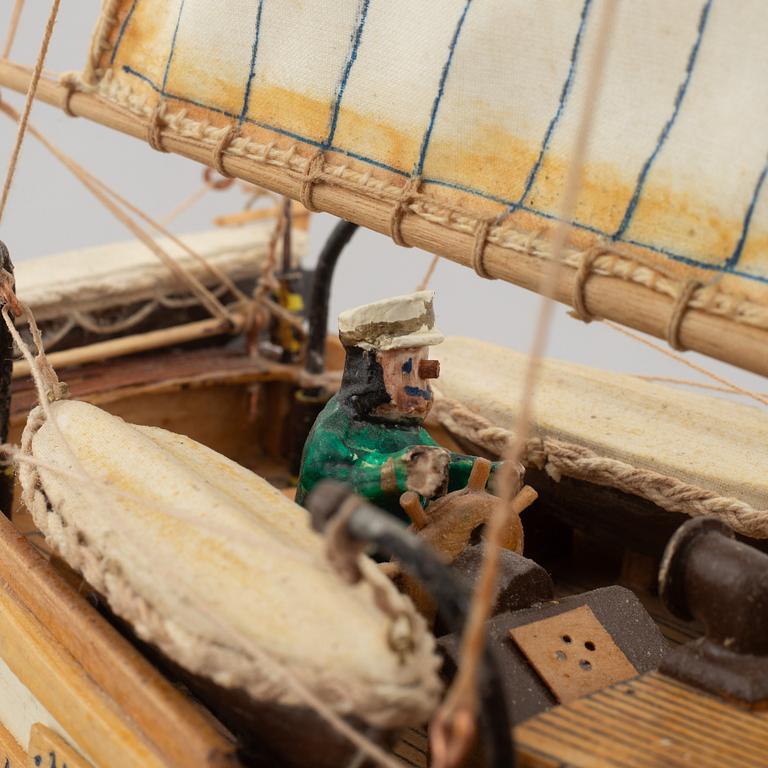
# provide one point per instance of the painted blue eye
(408, 365)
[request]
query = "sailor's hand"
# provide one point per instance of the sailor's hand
(426, 469)
(507, 478)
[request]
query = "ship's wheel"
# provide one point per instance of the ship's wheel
(452, 522)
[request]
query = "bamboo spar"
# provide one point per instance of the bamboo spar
(628, 303)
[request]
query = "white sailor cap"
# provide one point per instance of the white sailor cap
(394, 323)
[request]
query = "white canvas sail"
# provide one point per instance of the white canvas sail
(450, 125)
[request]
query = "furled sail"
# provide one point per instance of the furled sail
(450, 125)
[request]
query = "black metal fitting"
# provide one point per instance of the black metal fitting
(390, 538)
(321, 294)
(310, 400)
(708, 576)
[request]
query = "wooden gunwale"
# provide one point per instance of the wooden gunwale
(633, 305)
(53, 622)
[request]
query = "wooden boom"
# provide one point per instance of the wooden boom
(631, 304)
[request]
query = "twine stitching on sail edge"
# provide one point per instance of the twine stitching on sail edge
(100, 43)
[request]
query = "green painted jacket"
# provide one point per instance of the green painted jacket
(353, 451)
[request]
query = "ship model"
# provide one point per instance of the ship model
(231, 538)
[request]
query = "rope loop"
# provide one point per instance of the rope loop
(155, 127)
(218, 184)
(678, 314)
(407, 194)
(221, 146)
(312, 175)
(578, 297)
(478, 248)
(70, 84)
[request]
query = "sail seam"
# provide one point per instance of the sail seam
(121, 32)
(567, 85)
(362, 16)
(252, 70)
(665, 131)
(440, 91)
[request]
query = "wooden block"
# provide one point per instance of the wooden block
(49, 750)
(573, 653)
(11, 754)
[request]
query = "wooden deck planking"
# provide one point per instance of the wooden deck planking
(648, 722)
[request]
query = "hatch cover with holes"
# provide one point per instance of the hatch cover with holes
(573, 653)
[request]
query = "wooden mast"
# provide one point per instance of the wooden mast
(629, 303)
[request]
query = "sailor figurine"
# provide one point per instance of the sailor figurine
(370, 434)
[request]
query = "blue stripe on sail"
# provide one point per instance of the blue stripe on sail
(362, 15)
(681, 91)
(723, 268)
(733, 259)
(252, 70)
(123, 26)
(173, 47)
(560, 107)
(440, 90)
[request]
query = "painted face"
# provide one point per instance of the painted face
(406, 379)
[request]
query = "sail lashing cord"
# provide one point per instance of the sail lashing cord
(50, 390)
(217, 154)
(312, 175)
(24, 119)
(559, 458)
(155, 127)
(409, 192)
(578, 298)
(447, 738)
(678, 314)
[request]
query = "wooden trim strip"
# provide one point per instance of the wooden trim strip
(139, 342)
(631, 304)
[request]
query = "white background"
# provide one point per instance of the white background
(50, 211)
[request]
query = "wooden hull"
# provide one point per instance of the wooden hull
(83, 677)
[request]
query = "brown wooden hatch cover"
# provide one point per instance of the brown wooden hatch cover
(573, 653)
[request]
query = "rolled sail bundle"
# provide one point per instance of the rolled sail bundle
(683, 451)
(222, 572)
(89, 294)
